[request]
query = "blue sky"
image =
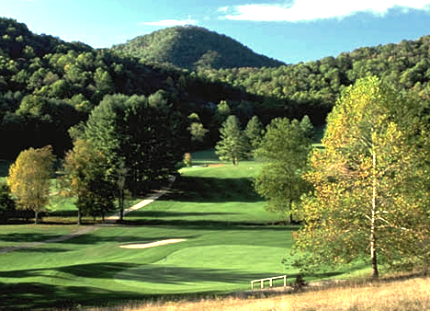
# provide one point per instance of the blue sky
(291, 31)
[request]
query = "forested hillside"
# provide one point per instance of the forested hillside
(319, 83)
(193, 48)
(48, 85)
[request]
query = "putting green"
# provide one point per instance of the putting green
(204, 268)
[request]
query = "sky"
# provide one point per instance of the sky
(291, 31)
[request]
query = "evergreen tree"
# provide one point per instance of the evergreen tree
(307, 127)
(233, 145)
(254, 132)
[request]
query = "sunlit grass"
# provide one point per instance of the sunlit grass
(230, 240)
(386, 295)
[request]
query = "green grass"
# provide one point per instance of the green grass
(230, 240)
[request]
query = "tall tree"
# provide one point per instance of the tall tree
(142, 132)
(233, 145)
(370, 200)
(29, 178)
(285, 147)
(307, 127)
(254, 132)
(84, 169)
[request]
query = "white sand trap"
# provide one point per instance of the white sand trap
(153, 244)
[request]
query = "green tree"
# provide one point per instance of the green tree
(371, 197)
(307, 127)
(197, 131)
(233, 145)
(143, 132)
(29, 179)
(285, 147)
(222, 112)
(7, 204)
(254, 132)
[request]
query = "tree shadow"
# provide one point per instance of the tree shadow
(35, 295)
(41, 250)
(164, 214)
(85, 239)
(209, 225)
(32, 295)
(211, 189)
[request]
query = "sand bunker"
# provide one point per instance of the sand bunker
(216, 165)
(153, 244)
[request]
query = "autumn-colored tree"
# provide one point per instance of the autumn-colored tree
(188, 160)
(85, 179)
(29, 179)
(371, 197)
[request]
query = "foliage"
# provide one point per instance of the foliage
(193, 47)
(254, 132)
(7, 203)
(29, 178)
(142, 132)
(188, 160)
(48, 85)
(84, 177)
(197, 131)
(285, 147)
(307, 127)
(371, 183)
(233, 145)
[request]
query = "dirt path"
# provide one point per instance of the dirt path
(109, 220)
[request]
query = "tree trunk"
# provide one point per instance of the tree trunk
(234, 161)
(121, 206)
(373, 258)
(36, 217)
(291, 212)
(79, 216)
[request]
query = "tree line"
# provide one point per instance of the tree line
(48, 85)
(129, 144)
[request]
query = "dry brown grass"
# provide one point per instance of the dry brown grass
(401, 295)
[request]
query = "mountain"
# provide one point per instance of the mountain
(192, 47)
(48, 85)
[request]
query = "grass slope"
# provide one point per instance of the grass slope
(230, 241)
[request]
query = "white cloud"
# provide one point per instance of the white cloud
(171, 22)
(307, 10)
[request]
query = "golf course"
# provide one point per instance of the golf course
(225, 239)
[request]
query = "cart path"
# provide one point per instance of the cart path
(108, 220)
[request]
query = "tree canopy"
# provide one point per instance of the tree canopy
(285, 147)
(29, 178)
(371, 184)
(233, 145)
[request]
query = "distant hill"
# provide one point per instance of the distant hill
(192, 47)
